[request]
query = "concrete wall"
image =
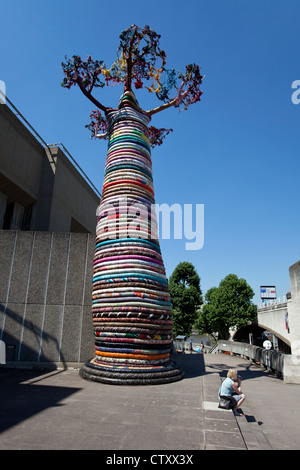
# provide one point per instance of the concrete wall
(64, 194)
(273, 319)
(293, 362)
(294, 308)
(43, 179)
(21, 155)
(46, 296)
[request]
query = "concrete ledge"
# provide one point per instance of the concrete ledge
(291, 370)
(213, 406)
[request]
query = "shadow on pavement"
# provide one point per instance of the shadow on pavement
(19, 401)
(192, 364)
(252, 371)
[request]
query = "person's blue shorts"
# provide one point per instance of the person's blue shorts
(237, 397)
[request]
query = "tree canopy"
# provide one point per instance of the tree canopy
(186, 297)
(140, 63)
(227, 306)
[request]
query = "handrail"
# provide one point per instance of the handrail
(18, 113)
(272, 303)
(267, 358)
(41, 140)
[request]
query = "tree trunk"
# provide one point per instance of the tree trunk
(131, 304)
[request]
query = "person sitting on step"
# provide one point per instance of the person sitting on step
(231, 387)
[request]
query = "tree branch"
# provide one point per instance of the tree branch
(92, 85)
(77, 79)
(173, 102)
(101, 136)
(161, 108)
(129, 64)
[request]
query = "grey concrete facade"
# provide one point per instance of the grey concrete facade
(273, 318)
(284, 321)
(47, 226)
(46, 296)
(293, 363)
(40, 188)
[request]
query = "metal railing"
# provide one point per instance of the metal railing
(48, 146)
(269, 303)
(267, 358)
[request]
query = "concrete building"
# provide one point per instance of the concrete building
(40, 188)
(292, 362)
(47, 225)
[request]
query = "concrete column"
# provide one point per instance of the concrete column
(292, 363)
(17, 217)
(294, 310)
(3, 202)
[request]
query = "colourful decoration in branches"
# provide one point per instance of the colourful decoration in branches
(131, 305)
(140, 61)
(156, 136)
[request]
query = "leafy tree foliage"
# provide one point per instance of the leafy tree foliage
(186, 297)
(227, 306)
(140, 63)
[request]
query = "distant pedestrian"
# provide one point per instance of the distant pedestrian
(231, 387)
(191, 346)
(201, 347)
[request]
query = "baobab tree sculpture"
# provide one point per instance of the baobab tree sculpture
(131, 308)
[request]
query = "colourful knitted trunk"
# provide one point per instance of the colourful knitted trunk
(131, 303)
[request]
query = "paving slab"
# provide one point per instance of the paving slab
(58, 410)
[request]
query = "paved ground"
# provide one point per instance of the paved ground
(59, 410)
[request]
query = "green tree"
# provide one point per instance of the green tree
(186, 297)
(227, 306)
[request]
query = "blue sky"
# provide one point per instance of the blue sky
(236, 152)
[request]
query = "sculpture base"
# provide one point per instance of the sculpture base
(169, 372)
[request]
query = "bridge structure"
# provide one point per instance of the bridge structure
(281, 318)
(274, 317)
